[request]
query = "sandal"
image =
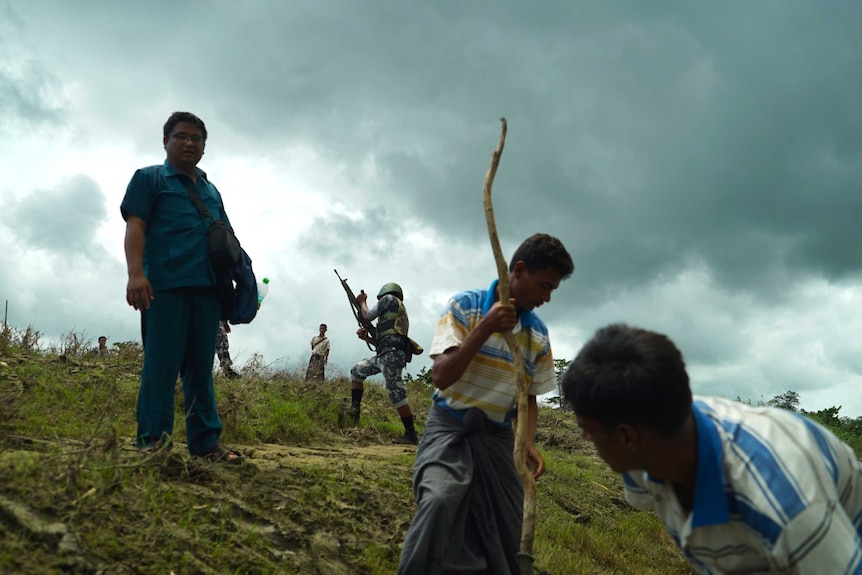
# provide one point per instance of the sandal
(221, 455)
(161, 444)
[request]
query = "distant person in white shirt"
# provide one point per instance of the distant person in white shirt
(319, 355)
(102, 349)
(741, 489)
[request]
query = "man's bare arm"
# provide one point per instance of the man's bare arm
(450, 365)
(139, 292)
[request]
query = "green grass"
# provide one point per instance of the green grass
(66, 453)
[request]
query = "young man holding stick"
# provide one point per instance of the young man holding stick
(468, 493)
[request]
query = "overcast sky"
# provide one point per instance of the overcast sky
(702, 162)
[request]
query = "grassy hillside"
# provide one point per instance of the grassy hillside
(315, 496)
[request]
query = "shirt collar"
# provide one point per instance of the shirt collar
(710, 501)
(526, 317)
(170, 170)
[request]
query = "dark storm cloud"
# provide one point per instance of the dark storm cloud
(374, 233)
(641, 137)
(62, 220)
(28, 101)
(30, 96)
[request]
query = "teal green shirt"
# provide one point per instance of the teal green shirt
(175, 249)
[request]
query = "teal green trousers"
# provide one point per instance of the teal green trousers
(179, 335)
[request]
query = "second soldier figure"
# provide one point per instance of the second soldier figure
(393, 346)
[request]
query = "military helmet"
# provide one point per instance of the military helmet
(392, 288)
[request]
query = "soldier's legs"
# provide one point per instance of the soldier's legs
(392, 364)
(358, 374)
(223, 353)
(222, 349)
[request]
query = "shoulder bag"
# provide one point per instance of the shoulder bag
(223, 248)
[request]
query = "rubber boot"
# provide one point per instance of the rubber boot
(409, 438)
(353, 413)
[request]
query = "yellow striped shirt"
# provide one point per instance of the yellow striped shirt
(490, 381)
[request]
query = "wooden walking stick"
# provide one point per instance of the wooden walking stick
(528, 524)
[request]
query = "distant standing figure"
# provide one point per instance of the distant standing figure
(319, 355)
(171, 283)
(222, 351)
(741, 489)
(392, 348)
(103, 346)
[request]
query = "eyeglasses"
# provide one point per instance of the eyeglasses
(183, 137)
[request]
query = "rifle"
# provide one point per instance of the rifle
(370, 331)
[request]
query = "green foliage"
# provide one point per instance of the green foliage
(12, 339)
(424, 377)
(788, 400)
(846, 429)
(827, 417)
(560, 366)
(129, 351)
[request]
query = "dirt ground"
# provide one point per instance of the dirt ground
(331, 510)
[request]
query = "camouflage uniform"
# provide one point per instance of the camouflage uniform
(392, 326)
(222, 346)
(391, 362)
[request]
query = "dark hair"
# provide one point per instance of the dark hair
(187, 117)
(323, 325)
(103, 337)
(541, 251)
(629, 375)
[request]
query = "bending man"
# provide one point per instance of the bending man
(741, 489)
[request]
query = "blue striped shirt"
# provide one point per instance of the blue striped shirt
(490, 382)
(774, 493)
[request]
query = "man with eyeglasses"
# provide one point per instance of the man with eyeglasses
(171, 282)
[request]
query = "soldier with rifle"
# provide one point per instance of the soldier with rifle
(393, 350)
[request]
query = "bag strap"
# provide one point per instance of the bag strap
(193, 194)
